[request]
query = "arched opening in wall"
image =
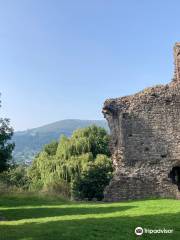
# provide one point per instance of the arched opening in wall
(175, 176)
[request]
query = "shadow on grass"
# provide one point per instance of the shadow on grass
(111, 228)
(29, 213)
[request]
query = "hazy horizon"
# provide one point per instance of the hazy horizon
(63, 59)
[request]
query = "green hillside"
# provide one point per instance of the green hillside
(29, 142)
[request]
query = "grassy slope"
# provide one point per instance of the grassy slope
(35, 218)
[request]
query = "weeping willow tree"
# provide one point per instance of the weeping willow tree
(68, 159)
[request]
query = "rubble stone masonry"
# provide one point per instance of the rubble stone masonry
(145, 141)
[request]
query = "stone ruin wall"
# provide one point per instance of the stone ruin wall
(145, 141)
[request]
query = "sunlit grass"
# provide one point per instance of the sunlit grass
(31, 217)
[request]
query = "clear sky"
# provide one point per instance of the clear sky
(61, 59)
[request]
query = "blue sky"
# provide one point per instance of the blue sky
(62, 58)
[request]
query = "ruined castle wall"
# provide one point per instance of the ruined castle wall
(145, 145)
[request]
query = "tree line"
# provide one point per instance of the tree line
(78, 167)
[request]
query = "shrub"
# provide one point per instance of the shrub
(16, 177)
(90, 185)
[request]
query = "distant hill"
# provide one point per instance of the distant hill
(29, 142)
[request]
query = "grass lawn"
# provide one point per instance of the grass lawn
(40, 218)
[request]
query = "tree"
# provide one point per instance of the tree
(16, 176)
(81, 159)
(6, 147)
(94, 179)
(95, 137)
(51, 148)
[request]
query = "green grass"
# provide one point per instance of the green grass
(40, 218)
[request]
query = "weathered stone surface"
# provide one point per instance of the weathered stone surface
(145, 141)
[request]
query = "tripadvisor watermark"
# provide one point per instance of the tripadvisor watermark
(140, 231)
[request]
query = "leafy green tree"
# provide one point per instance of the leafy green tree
(51, 148)
(73, 160)
(17, 176)
(92, 139)
(6, 147)
(94, 179)
(34, 175)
